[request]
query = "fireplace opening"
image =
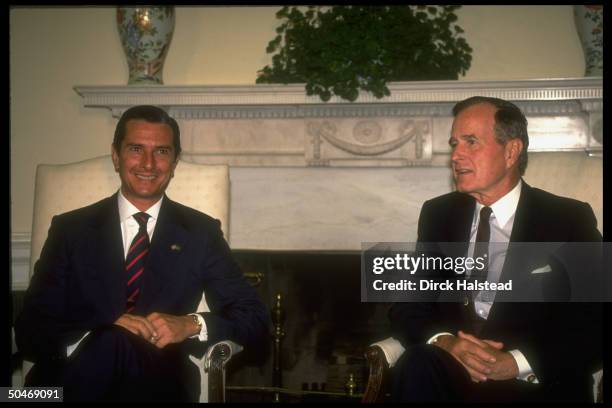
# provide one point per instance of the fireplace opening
(326, 326)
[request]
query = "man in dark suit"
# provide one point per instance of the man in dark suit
(108, 313)
(483, 349)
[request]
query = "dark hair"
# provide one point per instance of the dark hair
(151, 114)
(510, 123)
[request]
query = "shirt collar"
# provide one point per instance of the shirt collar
(505, 207)
(127, 209)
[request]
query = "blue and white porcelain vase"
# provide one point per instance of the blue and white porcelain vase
(145, 34)
(589, 24)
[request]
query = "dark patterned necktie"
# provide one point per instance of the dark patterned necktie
(136, 259)
(481, 248)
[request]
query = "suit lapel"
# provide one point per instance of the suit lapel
(169, 242)
(108, 255)
(524, 229)
(459, 224)
(523, 225)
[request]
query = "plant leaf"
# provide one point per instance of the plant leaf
(343, 49)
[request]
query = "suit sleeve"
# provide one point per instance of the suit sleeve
(236, 313)
(416, 322)
(43, 328)
(574, 342)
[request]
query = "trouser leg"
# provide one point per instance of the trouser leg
(113, 364)
(427, 373)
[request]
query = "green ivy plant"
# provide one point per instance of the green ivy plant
(342, 49)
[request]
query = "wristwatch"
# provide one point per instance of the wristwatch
(198, 320)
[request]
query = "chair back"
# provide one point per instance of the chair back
(569, 174)
(63, 187)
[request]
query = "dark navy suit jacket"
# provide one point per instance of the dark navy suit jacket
(561, 341)
(79, 282)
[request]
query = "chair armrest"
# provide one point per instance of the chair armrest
(219, 354)
(378, 372)
(381, 356)
(212, 369)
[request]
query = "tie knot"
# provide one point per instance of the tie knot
(485, 214)
(141, 218)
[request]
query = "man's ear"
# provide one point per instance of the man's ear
(115, 157)
(513, 150)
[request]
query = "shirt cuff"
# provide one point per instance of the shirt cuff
(525, 371)
(435, 336)
(203, 335)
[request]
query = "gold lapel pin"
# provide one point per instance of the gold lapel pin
(175, 247)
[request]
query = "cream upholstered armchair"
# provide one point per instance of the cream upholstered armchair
(60, 188)
(570, 174)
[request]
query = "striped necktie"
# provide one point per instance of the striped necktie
(136, 259)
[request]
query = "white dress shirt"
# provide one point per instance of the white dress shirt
(501, 222)
(129, 226)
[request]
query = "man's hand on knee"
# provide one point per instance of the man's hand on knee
(476, 358)
(139, 326)
(172, 329)
(504, 367)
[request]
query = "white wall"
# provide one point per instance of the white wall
(54, 49)
(522, 42)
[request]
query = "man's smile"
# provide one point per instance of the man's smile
(146, 178)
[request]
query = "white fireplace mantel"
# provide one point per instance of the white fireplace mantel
(309, 175)
(279, 125)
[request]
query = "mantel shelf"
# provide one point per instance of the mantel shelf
(112, 96)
